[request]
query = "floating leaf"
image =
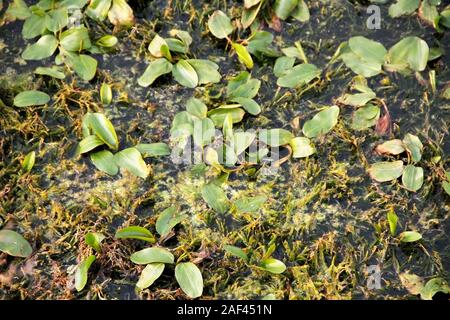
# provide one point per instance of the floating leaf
(152, 255)
(196, 108)
(185, 74)
(55, 72)
(242, 140)
(393, 147)
(31, 98)
(368, 50)
(275, 137)
(190, 279)
(131, 160)
(94, 239)
(153, 149)
(386, 171)
(57, 19)
(413, 146)
(273, 265)
(322, 122)
(121, 14)
(219, 24)
(81, 274)
(243, 54)
(103, 128)
(365, 117)
(215, 197)
(107, 41)
(402, 7)
(299, 75)
(42, 49)
(28, 161)
(155, 46)
(135, 232)
(14, 244)
(218, 115)
(84, 65)
(104, 161)
(250, 105)
(207, 71)
(409, 52)
(446, 187)
(89, 143)
(358, 99)
(301, 13)
(75, 39)
(284, 8)
(410, 236)
(243, 86)
(301, 147)
(34, 25)
(249, 15)
(412, 177)
(432, 287)
(283, 65)
(98, 9)
(168, 219)
(204, 131)
(155, 69)
(250, 204)
(150, 274)
(235, 251)
(392, 220)
(105, 94)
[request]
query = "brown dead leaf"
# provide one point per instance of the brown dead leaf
(275, 24)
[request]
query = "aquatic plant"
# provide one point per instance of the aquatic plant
(14, 244)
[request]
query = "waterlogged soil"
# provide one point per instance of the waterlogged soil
(325, 216)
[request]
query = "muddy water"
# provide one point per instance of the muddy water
(322, 211)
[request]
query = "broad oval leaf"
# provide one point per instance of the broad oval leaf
(152, 255)
(154, 70)
(410, 236)
(432, 287)
(207, 71)
(31, 98)
(298, 76)
(107, 41)
(393, 147)
(243, 54)
(414, 147)
(386, 171)
(219, 24)
(98, 9)
(57, 19)
(235, 251)
(250, 105)
(412, 177)
(273, 265)
(153, 149)
(196, 108)
(218, 115)
(365, 117)
(121, 14)
(275, 137)
(42, 49)
(105, 94)
(402, 7)
(135, 232)
(250, 204)
(301, 147)
(283, 65)
(168, 219)
(204, 131)
(215, 197)
(131, 159)
(81, 274)
(411, 50)
(322, 122)
(190, 279)
(85, 66)
(75, 39)
(34, 25)
(242, 140)
(89, 143)
(284, 8)
(14, 244)
(150, 274)
(103, 128)
(155, 46)
(28, 161)
(94, 239)
(104, 161)
(55, 72)
(185, 74)
(368, 50)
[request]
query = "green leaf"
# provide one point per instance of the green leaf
(365, 117)
(283, 65)
(360, 66)
(185, 74)
(299, 75)
(31, 98)
(218, 115)
(107, 41)
(155, 69)
(358, 99)
(284, 8)
(243, 54)
(153, 149)
(392, 147)
(249, 15)
(368, 50)
(432, 287)
(412, 178)
(242, 140)
(94, 239)
(243, 86)
(204, 131)
(155, 46)
(446, 186)
(34, 26)
(103, 128)
(135, 232)
(301, 13)
(81, 274)
(105, 94)
(131, 160)
(207, 71)
(322, 122)
(89, 143)
(196, 108)
(85, 66)
(235, 251)
(392, 220)
(57, 19)
(17, 9)
(273, 265)
(413, 146)
(250, 204)
(28, 161)
(98, 9)
(301, 147)
(386, 171)
(168, 219)
(55, 72)
(428, 12)
(42, 49)
(409, 52)
(121, 14)
(150, 274)
(190, 279)
(410, 236)
(250, 105)
(275, 137)
(152, 255)
(14, 244)
(75, 39)
(402, 7)
(215, 197)
(104, 161)
(219, 24)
